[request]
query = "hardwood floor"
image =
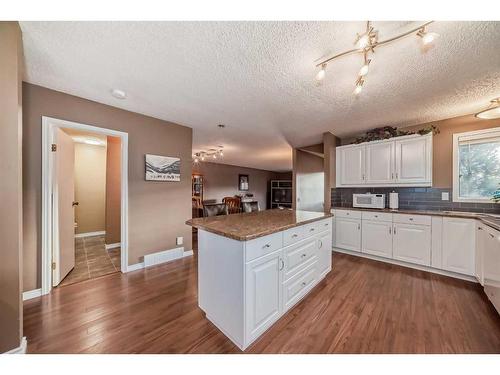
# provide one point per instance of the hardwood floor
(363, 306)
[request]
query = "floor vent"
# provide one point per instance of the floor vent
(163, 256)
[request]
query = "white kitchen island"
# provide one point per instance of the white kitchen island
(254, 267)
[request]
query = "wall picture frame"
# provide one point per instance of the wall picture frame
(162, 168)
(243, 182)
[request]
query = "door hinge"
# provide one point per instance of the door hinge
(54, 147)
(53, 265)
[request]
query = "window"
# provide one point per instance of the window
(476, 165)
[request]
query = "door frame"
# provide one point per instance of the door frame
(49, 231)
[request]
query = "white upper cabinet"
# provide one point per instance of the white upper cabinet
(401, 161)
(414, 160)
(380, 163)
(351, 165)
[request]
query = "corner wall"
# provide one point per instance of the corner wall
(11, 311)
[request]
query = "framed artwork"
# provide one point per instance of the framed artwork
(162, 168)
(243, 182)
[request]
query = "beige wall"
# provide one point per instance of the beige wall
(329, 143)
(157, 210)
(113, 190)
(442, 169)
(90, 187)
(221, 181)
(11, 313)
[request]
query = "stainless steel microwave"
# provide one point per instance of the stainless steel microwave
(368, 200)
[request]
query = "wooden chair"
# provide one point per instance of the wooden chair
(233, 204)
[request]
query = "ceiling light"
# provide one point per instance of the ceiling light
(118, 94)
(427, 37)
(321, 74)
(196, 160)
(368, 42)
(492, 112)
(202, 157)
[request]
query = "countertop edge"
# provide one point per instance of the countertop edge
(257, 235)
(458, 214)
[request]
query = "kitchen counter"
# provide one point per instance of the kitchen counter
(248, 226)
(491, 220)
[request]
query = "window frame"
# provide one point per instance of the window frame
(476, 134)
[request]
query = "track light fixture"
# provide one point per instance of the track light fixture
(213, 153)
(367, 42)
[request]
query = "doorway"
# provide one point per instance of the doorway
(85, 205)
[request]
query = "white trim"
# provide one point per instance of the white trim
(112, 246)
(140, 266)
(408, 265)
(32, 294)
(21, 349)
(135, 267)
(90, 234)
(49, 125)
(477, 134)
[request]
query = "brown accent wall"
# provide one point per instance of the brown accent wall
(90, 188)
(11, 61)
(113, 190)
(442, 169)
(221, 180)
(157, 210)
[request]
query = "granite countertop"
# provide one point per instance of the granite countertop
(247, 226)
(488, 219)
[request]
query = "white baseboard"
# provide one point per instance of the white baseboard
(112, 246)
(174, 254)
(21, 349)
(32, 294)
(409, 265)
(90, 234)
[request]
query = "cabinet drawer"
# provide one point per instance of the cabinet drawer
(263, 245)
(293, 235)
(412, 219)
(297, 256)
(376, 216)
(295, 288)
(323, 225)
(349, 214)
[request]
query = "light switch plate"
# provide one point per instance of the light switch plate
(445, 196)
(180, 240)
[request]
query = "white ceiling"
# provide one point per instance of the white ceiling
(257, 77)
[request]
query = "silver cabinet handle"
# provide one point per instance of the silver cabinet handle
(392, 176)
(359, 226)
(394, 231)
(397, 175)
(282, 264)
(479, 228)
(376, 215)
(311, 230)
(266, 246)
(326, 224)
(411, 219)
(303, 255)
(294, 235)
(320, 244)
(389, 230)
(304, 283)
(491, 235)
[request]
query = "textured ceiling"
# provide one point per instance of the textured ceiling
(257, 77)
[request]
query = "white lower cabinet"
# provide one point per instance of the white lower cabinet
(459, 245)
(324, 245)
(263, 291)
(377, 238)
(348, 233)
(295, 288)
(412, 243)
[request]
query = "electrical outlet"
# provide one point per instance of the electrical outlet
(445, 196)
(180, 240)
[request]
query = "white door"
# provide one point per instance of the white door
(412, 243)
(459, 245)
(64, 213)
(324, 245)
(263, 293)
(377, 238)
(351, 165)
(380, 163)
(414, 160)
(348, 234)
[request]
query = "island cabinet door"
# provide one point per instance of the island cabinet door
(324, 245)
(263, 294)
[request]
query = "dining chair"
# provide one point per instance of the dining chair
(250, 206)
(233, 204)
(214, 209)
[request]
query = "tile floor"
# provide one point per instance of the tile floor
(92, 260)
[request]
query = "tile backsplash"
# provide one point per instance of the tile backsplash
(414, 199)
